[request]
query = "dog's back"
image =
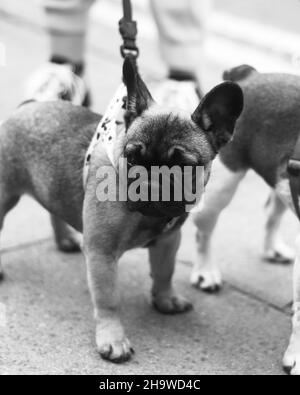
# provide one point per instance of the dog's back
(268, 129)
(45, 144)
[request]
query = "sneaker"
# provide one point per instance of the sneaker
(171, 93)
(57, 82)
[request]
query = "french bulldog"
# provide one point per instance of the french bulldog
(264, 140)
(42, 153)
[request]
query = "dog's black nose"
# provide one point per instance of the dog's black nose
(133, 152)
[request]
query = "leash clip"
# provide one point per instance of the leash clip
(132, 52)
(128, 31)
(293, 167)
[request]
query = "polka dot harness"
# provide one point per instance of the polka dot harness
(106, 132)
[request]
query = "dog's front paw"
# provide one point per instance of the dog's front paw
(171, 303)
(280, 253)
(291, 359)
(113, 345)
(206, 280)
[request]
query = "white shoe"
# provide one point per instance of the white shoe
(56, 82)
(176, 94)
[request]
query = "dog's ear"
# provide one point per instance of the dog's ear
(239, 73)
(138, 95)
(218, 112)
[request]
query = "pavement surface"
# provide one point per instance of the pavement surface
(50, 329)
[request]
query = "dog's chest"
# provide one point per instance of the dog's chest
(151, 229)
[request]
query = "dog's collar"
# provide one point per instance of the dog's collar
(106, 132)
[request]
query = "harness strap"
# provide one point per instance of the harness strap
(128, 31)
(294, 176)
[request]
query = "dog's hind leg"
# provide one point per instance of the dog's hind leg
(218, 194)
(6, 204)
(291, 360)
(162, 258)
(275, 250)
(66, 238)
(1, 226)
(1, 267)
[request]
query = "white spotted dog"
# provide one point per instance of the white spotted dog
(264, 140)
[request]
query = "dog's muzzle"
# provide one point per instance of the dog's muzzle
(159, 208)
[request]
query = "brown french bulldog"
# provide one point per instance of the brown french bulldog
(264, 141)
(42, 153)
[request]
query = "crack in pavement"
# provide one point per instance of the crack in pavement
(24, 246)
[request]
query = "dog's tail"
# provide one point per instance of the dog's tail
(238, 73)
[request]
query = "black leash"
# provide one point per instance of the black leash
(294, 176)
(128, 31)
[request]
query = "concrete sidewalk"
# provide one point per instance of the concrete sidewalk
(243, 330)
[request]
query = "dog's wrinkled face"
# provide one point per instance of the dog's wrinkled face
(157, 137)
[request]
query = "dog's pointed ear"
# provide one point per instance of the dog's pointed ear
(218, 112)
(138, 95)
(239, 73)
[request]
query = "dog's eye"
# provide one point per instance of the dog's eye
(180, 156)
(134, 152)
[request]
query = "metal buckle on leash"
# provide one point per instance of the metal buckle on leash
(128, 31)
(125, 51)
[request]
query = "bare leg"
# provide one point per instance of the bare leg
(66, 238)
(182, 28)
(219, 193)
(275, 250)
(291, 360)
(67, 23)
(162, 260)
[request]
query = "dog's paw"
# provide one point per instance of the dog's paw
(280, 253)
(207, 280)
(69, 244)
(171, 304)
(112, 347)
(117, 352)
(291, 359)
